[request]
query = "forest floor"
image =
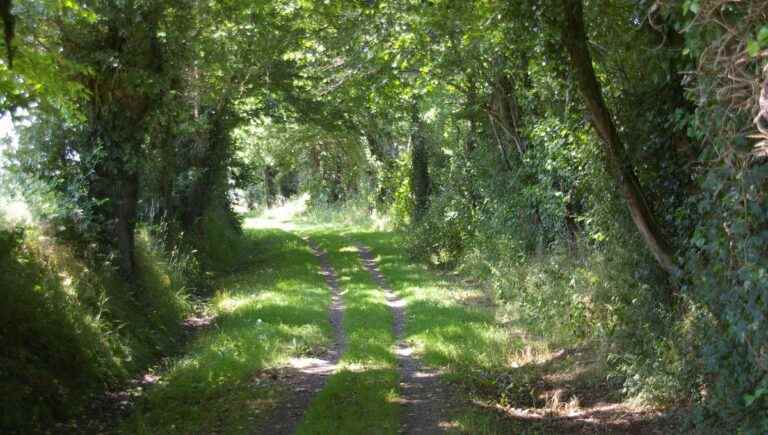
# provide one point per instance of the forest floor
(333, 330)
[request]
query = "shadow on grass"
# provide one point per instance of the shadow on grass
(368, 319)
(447, 333)
(565, 393)
(274, 311)
(362, 397)
(355, 402)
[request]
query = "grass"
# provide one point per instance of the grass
(498, 367)
(230, 377)
(453, 328)
(362, 396)
(229, 380)
(274, 311)
(69, 331)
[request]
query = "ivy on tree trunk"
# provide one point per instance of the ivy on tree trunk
(420, 182)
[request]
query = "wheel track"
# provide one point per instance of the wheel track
(423, 393)
(307, 376)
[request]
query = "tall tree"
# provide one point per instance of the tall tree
(123, 49)
(420, 181)
(574, 38)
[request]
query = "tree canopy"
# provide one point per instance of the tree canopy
(603, 165)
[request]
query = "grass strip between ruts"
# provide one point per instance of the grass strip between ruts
(362, 396)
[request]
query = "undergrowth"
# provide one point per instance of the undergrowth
(69, 330)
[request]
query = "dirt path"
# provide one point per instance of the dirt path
(424, 396)
(306, 376)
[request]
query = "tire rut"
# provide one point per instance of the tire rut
(307, 376)
(424, 396)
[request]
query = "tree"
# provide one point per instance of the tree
(420, 180)
(574, 38)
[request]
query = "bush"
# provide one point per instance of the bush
(443, 232)
(728, 292)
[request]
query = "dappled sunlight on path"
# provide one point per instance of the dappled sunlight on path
(236, 374)
(422, 393)
(410, 352)
(307, 375)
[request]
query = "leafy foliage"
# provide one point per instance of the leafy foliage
(474, 127)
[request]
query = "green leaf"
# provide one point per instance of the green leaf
(753, 48)
(762, 36)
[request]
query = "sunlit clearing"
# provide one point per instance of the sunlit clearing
(281, 216)
(380, 221)
(16, 212)
(228, 304)
(348, 249)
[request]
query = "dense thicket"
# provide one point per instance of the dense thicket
(601, 164)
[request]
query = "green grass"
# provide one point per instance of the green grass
(449, 328)
(278, 309)
(451, 324)
(362, 396)
(71, 330)
(452, 327)
(228, 378)
(275, 310)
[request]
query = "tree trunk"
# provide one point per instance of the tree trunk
(9, 26)
(127, 196)
(376, 147)
(420, 182)
(571, 225)
(507, 112)
(269, 186)
(575, 41)
(471, 143)
(117, 188)
(211, 161)
(504, 117)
